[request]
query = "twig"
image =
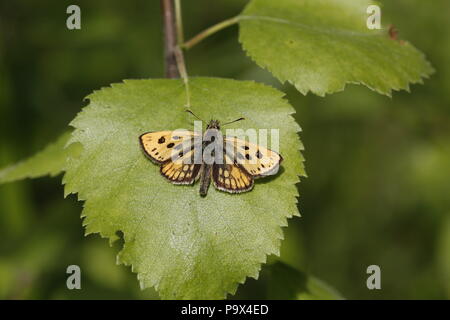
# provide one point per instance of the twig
(173, 38)
(170, 39)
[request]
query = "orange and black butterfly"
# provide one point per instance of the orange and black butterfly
(187, 156)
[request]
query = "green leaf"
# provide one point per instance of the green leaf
(50, 161)
(287, 283)
(320, 46)
(183, 245)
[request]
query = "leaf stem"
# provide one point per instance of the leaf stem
(182, 69)
(211, 30)
(179, 22)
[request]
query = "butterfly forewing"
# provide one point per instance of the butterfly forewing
(161, 146)
(258, 161)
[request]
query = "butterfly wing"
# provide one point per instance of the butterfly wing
(231, 178)
(182, 170)
(160, 146)
(256, 160)
(174, 150)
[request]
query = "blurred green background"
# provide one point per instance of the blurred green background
(379, 168)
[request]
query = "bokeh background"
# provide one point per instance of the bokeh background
(378, 167)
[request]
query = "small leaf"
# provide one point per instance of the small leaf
(320, 46)
(183, 245)
(287, 283)
(50, 161)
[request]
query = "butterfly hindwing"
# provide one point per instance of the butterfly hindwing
(179, 173)
(160, 146)
(231, 178)
(182, 170)
(258, 161)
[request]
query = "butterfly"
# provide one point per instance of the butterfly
(187, 156)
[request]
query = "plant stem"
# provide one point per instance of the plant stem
(173, 37)
(211, 30)
(170, 39)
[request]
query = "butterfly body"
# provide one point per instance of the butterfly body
(206, 169)
(231, 163)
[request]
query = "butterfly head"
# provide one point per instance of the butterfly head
(213, 124)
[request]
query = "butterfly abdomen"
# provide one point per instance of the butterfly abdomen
(205, 179)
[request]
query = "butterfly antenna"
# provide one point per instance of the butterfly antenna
(189, 111)
(233, 121)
